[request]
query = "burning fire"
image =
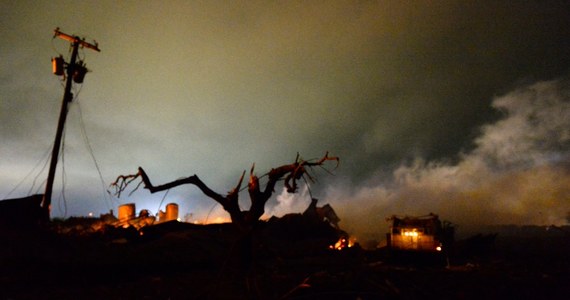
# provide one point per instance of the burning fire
(343, 243)
(217, 220)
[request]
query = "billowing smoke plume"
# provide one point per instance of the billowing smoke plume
(289, 203)
(518, 173)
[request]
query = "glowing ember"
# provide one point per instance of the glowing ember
(217, 220)
(342, 243)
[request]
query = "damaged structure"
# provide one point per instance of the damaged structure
(325, 213)
(419, 234)
(24, 212)
(127, 216)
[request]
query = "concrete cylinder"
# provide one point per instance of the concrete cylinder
(126, 211)
(171, 211)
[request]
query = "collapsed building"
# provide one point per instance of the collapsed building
(325, 213)
(419, 234)
(310, 232)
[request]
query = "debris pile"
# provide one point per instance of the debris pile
(127, 217)
(311, 232)
(22, 212)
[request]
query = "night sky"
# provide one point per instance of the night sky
(461, 108)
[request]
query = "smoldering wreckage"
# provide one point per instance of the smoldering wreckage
(298, 256)
(27, 214)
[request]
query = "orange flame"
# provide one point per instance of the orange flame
(342, 243)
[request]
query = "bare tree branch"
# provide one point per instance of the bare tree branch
(290, 173)
(123, 181)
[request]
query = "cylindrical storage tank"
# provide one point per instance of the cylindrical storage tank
(171, 211)
(126, 211)
(161, 216)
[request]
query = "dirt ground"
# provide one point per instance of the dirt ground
(191, 263)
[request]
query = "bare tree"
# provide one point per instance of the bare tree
(244, 219)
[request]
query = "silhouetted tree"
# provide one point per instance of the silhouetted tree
(244, 219)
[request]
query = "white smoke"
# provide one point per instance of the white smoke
(519, 173)
(289, 203)
(536, 131)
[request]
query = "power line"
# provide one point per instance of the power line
(92, 154)
(211, 209)
(161, 201)
(46, 156)
(43, 158)
(75, 72)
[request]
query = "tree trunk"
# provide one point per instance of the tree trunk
(243, 219)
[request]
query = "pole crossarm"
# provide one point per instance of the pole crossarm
(67, 97)
(76, 39)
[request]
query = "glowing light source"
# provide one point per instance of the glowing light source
(342, 243)
(413, 233)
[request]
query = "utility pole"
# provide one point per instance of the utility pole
(75, 72)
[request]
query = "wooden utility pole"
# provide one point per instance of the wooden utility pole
(72, 68)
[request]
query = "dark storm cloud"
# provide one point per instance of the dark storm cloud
(519, 172)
